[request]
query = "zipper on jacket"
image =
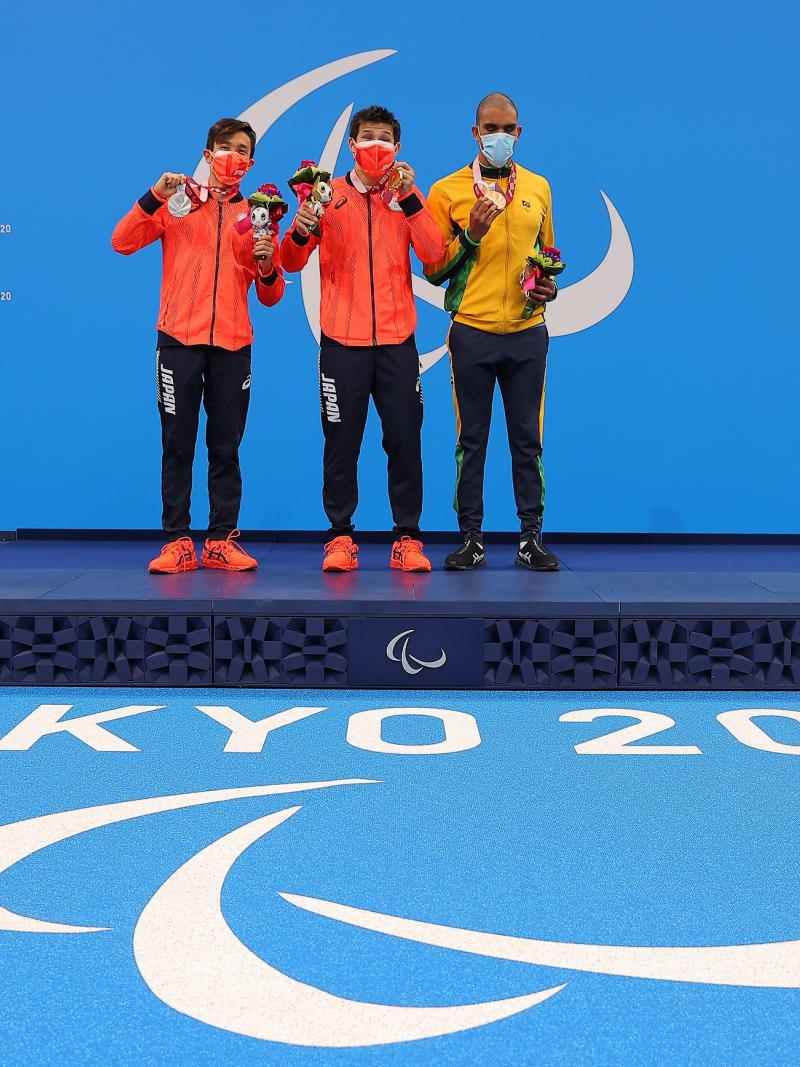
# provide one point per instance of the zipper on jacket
(216, 275)
(371, 270)
(508, 253)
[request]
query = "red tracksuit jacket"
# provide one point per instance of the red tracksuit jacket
(207, 269)
(365, 271)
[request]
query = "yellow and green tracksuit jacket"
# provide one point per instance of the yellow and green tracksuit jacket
(482, 278)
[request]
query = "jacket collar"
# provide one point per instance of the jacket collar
(236, 199)
(495, 172)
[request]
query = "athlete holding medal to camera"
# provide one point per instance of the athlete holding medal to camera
(204, 336)
(374, 217)
(495, 214)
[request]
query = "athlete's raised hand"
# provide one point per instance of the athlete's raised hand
(407, 184)
(483, 214)
(167, 184)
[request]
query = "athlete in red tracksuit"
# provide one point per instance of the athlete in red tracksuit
(204, 340)
(367, 319)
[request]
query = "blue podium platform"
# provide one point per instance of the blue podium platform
(651, 616)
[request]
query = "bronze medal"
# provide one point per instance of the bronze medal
(493, 193)
(496, 197)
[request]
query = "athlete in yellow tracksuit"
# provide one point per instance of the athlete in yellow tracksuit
(494, 213)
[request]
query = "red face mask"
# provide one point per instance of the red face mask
(229, 167)
(375, 157)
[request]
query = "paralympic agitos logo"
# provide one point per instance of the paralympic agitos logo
(191, 959)
(579, 306)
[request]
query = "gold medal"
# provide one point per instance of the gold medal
(496, 197)
(396, 179)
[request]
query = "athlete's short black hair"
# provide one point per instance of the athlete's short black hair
(374, 113)
(495, 99)
(225, 127)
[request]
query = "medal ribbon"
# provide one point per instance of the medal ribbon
(192, 187)
(481, 184)
(378, 188)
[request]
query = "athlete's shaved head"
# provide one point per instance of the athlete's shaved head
(498, 101)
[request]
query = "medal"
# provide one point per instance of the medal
(179, 203)
(493, 193)
(393, 183)
(396, 178)
(495, 196)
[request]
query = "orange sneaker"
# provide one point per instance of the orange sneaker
(175, 557)
(227, 555)
(341, 554)
(407, 555)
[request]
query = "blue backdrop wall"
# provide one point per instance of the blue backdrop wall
(674, 411)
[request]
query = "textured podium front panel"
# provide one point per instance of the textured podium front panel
(111, 650)
(105, 650)
(776, 653)
(653, 653)
(710, 653)
(584, 654)
(564, 653)
(720, 653)
(517, 653)
(247, 651)
(177, 650)
(38, 649)
(281, 651)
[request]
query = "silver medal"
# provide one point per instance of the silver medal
(179, 203)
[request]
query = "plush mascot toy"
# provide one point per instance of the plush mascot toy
(267, 208)
(310, 183)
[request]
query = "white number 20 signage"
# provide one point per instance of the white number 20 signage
(741, 724)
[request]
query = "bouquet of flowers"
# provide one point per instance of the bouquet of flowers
(310, 183)
(545, 262)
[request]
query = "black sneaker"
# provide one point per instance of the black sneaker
(534, 556)
(469, 556)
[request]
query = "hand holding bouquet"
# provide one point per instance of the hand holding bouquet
(544, 263)
(311, 184)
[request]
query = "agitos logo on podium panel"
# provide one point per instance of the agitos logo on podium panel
(433, 651)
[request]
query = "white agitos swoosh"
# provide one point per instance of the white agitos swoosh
(774, 966)
(579, 306)
(192, 960)
(265, 112)
(19, 840)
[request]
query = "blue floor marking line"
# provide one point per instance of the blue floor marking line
(513, 832)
